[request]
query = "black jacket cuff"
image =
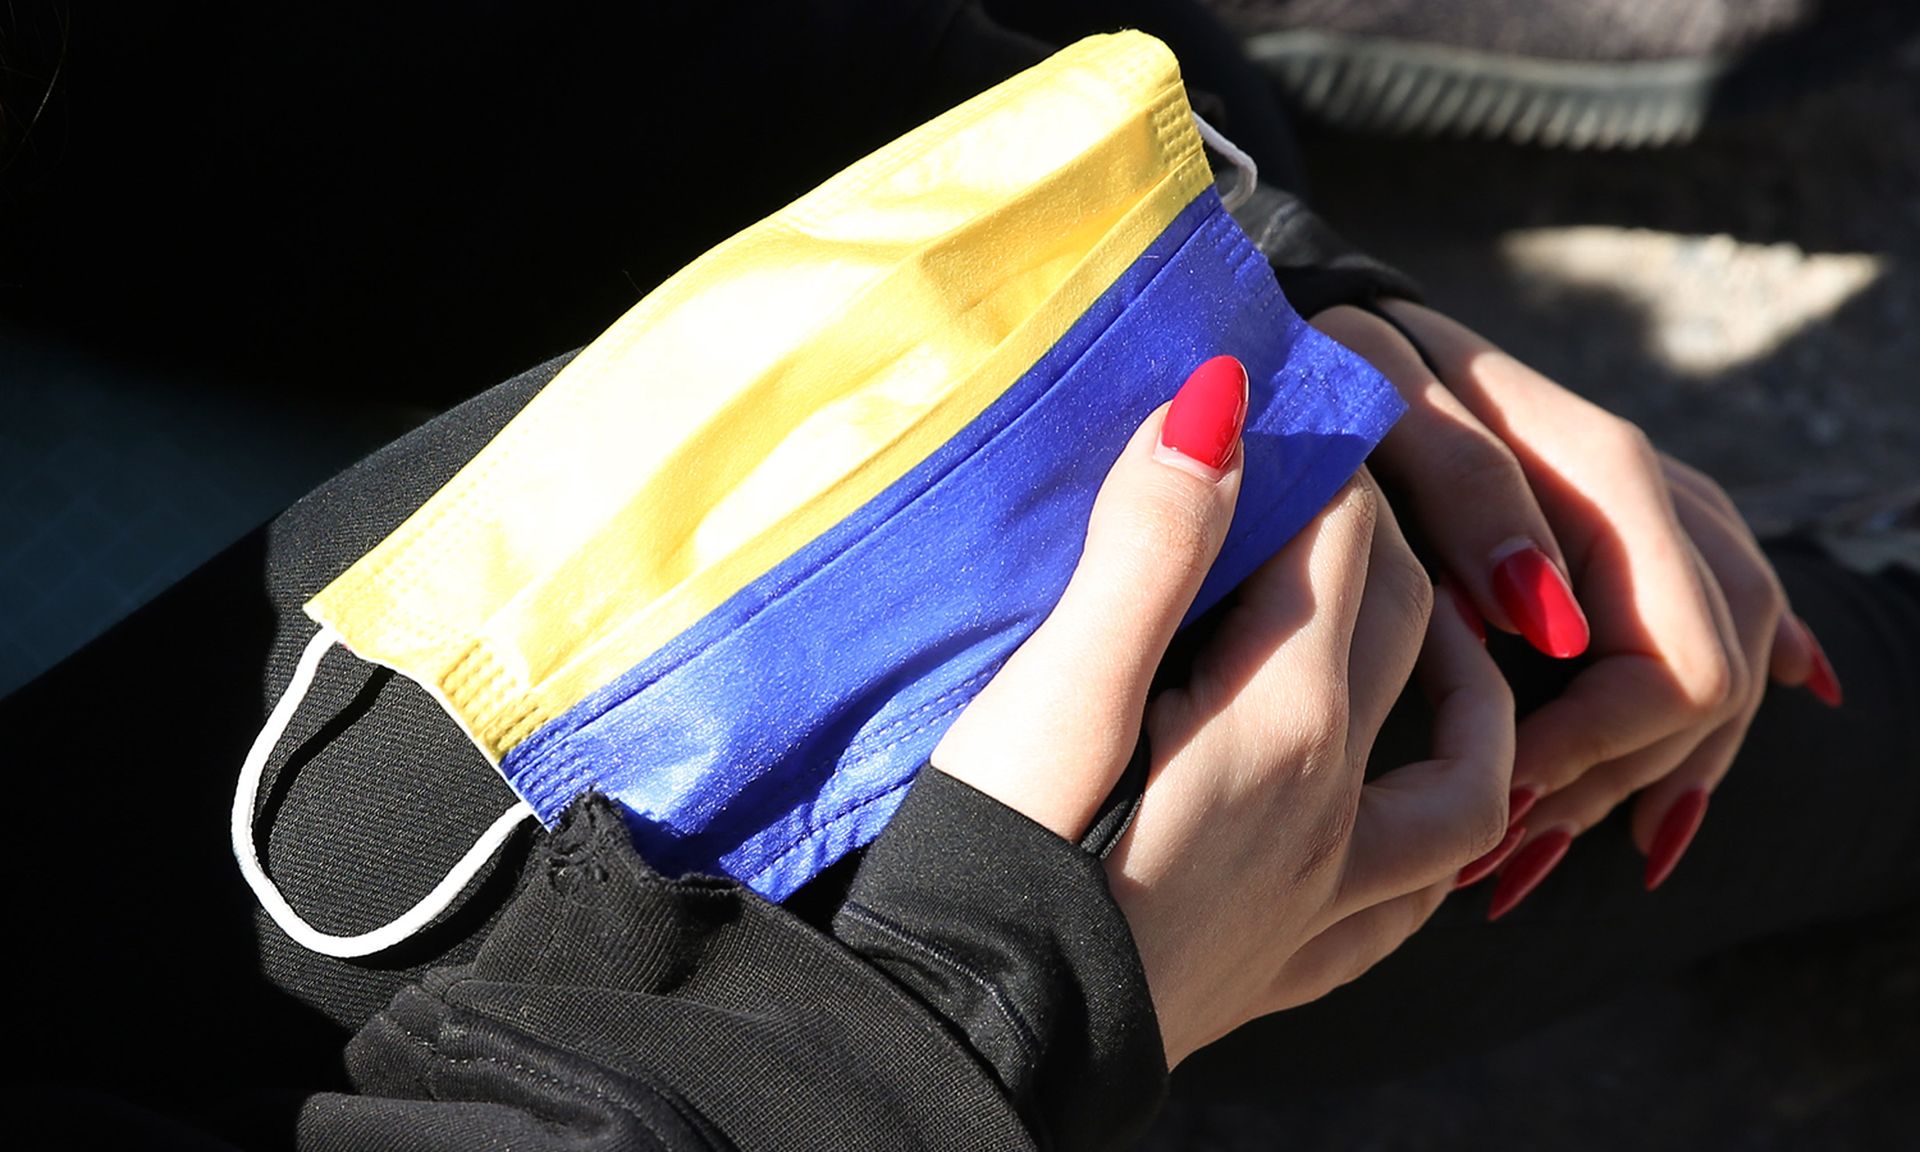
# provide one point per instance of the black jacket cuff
(614, 1008)
(1011, 935)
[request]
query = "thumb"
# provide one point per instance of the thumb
(1051, 733)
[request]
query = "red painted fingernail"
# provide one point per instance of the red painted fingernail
(1824, 685)
(1520, 801)
(1528, 867)
(1468, 612)
(1203, 424)
(1676, 832)
(1532, 590)
(1482, 868)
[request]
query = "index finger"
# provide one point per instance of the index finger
(1467, 492)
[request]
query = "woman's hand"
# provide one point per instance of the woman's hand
(1261, 869)
(1529, 494)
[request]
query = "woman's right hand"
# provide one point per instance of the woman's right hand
(1261, 870)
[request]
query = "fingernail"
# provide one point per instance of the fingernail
(1824, 685)
(1468, 612)
(1520, 801)
(1530, 587)
(1203, 424)
(1482, 868)
(1676, 832)
(1528, 867)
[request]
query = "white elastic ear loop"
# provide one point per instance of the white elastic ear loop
(248, 790)
(1249, 171)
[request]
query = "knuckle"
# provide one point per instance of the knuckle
(1179, 525)
(1321, 717)
(1344, 540)
(1628, 441)
(1772, 597)
(1356, 509)
(1486, 827)
(1750, 590)
(1480, 468)
(1167, 532)
(1405, 584)
(1573, 755)
(1707, 683)
(1324, 841)
(1322, 744)
(1740, 684)
(1759, 599)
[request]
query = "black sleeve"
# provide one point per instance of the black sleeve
(985, 995)
(1315, 266)
(1011, 936)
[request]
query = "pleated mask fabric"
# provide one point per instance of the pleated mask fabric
(741, 563)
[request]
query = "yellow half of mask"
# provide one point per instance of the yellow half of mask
(773, 387)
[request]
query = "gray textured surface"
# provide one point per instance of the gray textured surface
(1754, 302)
(1551, 29)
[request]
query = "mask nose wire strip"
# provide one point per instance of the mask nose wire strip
(247, 791)
(1249, 171)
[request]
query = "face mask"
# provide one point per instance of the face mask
(742, 562)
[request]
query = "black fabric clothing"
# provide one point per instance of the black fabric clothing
(1013, 938)
(370, 751)
(611, 1007)
(1315, 267)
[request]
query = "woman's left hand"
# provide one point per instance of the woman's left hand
(1530, 495)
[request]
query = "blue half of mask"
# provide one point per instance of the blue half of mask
(782, 730)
